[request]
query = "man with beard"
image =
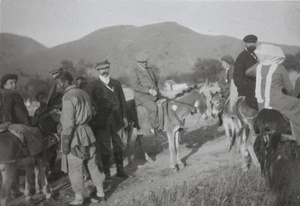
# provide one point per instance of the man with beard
(247, 58)
(111, 116)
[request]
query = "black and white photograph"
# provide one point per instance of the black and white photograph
(149, 103)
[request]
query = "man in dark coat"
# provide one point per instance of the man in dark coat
(109, 102)
(247, 58)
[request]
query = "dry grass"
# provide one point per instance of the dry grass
(227, 186)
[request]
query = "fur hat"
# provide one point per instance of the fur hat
(7, 77)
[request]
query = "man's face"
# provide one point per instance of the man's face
(62, 84)
(10, 84)
(143, 64)
(251, 46)
(104, 72)
(42, 99)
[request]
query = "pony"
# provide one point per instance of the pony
(15, 154)
(174, 111)
(279, 156)
(220, 106)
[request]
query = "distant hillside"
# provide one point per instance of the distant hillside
(13, 47)
(172, 47)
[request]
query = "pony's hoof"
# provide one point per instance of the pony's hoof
(48, 196)
(28, 198)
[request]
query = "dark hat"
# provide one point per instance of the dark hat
(65, 76)
(7, 77)
(228, 59)
(55, 71)
(250, 38)
(102, 65)
(39, 94)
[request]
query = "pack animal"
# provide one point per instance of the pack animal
(279, 156)
(16, 154)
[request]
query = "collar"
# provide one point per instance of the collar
(69, 88)
(105, 80)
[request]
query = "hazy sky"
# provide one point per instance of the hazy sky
(53, 22)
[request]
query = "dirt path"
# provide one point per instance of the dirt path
(202, 150)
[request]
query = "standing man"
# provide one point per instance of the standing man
(77, 138)
(145, 86)
(247, 58)
(111, 116)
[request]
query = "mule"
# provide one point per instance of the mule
(279, 156)
(220, 106)
(174, 112)
(15, 154)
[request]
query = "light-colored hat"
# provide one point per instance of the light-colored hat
(102, 65)
(141, 57)
(269, 54)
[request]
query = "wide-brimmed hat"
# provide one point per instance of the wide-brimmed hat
(250, 38)
(65, 76)
(102, 64)
(7, 77)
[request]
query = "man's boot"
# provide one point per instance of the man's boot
(106, 166)
(119, 163)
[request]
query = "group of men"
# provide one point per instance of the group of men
(93, 116)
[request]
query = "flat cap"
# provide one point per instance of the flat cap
(55, 71)
(81, 78)
(250, 38)
(141, 57)
(65, 76)
(7, 77)
(102, 65)
(228, 59)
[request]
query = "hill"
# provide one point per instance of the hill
(13, 47)
(172, 47)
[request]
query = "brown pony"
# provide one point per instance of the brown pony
(174, 112)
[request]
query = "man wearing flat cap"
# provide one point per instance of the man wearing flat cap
(77, 138)
(145, 86)
(111, 117)
(247, 58)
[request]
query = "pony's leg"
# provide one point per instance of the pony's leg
(42, 167)
(7, 171)
(250, 144)
(179, 162)
(128, 132)
(29, 168)
(36, 178)
(171, 149)
(244, 152)
(138, 140)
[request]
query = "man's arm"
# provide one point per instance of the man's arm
(251, 72)
(239, 77)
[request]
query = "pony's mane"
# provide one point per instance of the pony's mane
(186, 91)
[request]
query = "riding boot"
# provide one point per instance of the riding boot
(119, 163)
(106, 166)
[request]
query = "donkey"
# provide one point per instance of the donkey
(174, 111)
(279, 156)
(16, 154)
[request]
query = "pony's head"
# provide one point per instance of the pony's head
(217, 103)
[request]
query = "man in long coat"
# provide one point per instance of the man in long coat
(145, 86)
(247, 58)
(111, 116)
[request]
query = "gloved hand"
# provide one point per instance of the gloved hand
(153, 92)
(65, 144)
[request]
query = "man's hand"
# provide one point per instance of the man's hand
(153, 92)
(125, 121)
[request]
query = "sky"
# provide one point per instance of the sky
(53, 22)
